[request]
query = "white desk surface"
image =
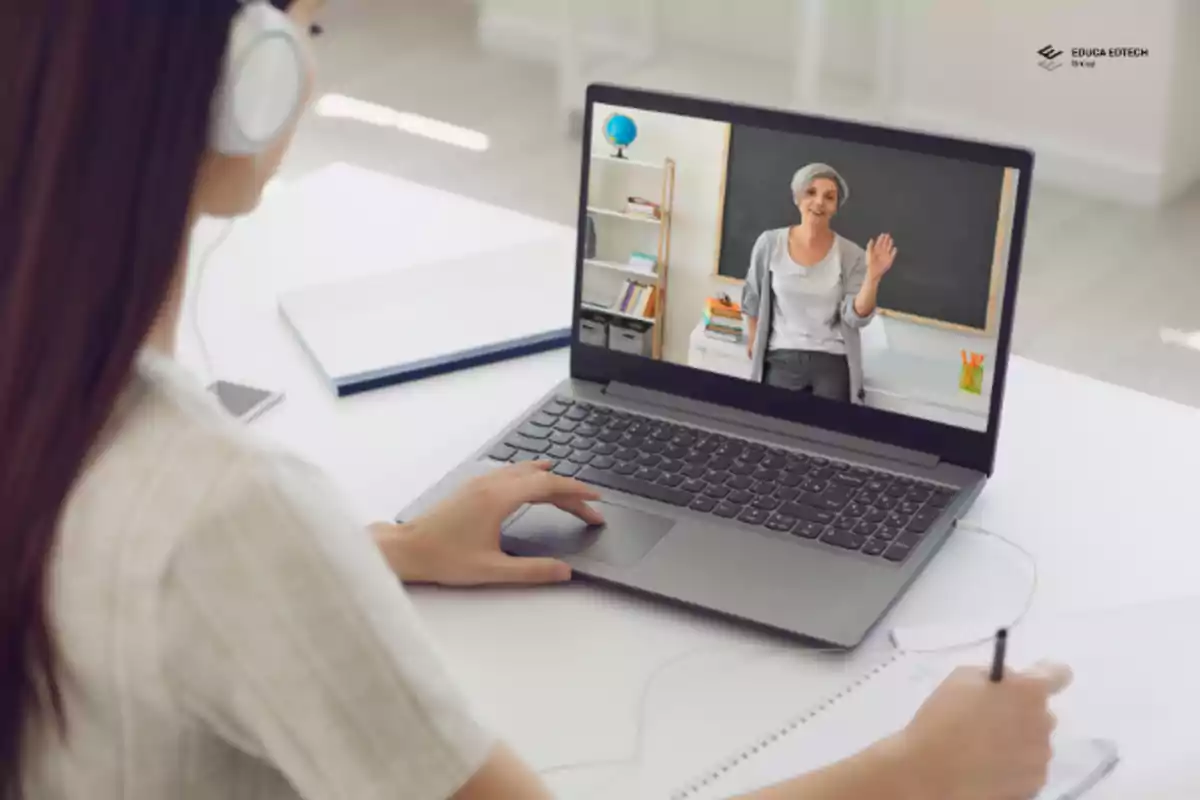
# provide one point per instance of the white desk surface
(1093, 479)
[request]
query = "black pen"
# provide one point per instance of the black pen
(998, 655)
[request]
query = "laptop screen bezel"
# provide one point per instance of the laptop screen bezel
(972, 449)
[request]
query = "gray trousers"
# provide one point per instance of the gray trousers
(824, 374)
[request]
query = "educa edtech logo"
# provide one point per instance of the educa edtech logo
(1049, 56)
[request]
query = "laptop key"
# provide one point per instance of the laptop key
(581, 456)
(741, 482)
(753, 516)
(554, 409)
(874, 547)
(675, 451)
(703, 503)
(716, 476)
(626, 468)
(649, 460)
(845, 523)
(603, 462)
(727, 510)
(648, 474)
(807, 513)
(866, 528)
(764, 487)
(544, 419)
(742, 468)
(924, 520)
(604, 449)
(897, 553)
(875, 515)
(672, 466)
(694, 486)
(855, 510)
(781, 522)
(578, 413)
(621, 483)
(583, 443)
(885, 503)
(741, 496)
(844, 539)
(717, 491)
(809, 530)
(896, 490)
(651, 447)
(720, 462)
(522, 457)
(941, 498)
(887, 533)
(789, 479)
(846, 479)
(525, 443)
(671, 480)
(787, 493)
(559, 451)
(909, 539)
(897, 520)
(875, 485)
(766, 503)
(627, 454)
(566, 469)
(567, 425)
(587, 430)
(502, 452)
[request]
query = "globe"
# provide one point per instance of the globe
(620, 131)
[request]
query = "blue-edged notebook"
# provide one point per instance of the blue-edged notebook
(425, 320)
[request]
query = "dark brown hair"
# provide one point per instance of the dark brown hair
(104, 117)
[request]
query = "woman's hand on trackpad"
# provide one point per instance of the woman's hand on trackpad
(457, 542)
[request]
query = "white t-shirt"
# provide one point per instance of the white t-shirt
(229, 631)
(806, 301)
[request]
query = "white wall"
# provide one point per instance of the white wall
(971, 68)
(1183, 139)
(1128, 129)
(698, 148)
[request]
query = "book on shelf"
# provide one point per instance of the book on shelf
(636, 299)
(641, 207)
(643, 262)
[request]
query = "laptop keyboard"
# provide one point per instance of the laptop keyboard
(843, 505)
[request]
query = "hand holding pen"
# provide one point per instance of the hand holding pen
(985, 733)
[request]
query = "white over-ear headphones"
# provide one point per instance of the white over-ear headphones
(265, 80)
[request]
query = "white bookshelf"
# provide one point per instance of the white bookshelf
(619, 235)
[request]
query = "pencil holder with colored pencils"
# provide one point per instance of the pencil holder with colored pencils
(971, 379)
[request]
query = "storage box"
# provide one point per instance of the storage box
(629, 336)
(593, 330)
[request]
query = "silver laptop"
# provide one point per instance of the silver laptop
(785, 417)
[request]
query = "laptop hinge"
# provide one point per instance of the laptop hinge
(747, 419)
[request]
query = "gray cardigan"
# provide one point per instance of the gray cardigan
(757, 302)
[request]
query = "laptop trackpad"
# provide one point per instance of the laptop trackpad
(626, 536)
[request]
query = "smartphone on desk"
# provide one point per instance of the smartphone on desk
(1078, 766)
(242, 401)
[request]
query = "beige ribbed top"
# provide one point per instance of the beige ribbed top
(229, 631)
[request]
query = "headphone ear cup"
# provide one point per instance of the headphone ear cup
(264, 83)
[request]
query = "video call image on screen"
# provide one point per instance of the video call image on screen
(852, 272)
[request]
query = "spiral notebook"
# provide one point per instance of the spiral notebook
(876, 705)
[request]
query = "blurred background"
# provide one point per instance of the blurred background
(483, 98)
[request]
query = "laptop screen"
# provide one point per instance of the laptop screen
(837, 269)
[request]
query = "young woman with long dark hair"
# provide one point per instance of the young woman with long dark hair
(186, 612)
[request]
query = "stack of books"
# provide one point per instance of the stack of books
(636, 299)
(641, 207)
(723, 320)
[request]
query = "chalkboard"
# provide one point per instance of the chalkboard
(942, 213)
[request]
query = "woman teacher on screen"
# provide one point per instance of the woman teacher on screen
(809, 290)
(189, 612)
